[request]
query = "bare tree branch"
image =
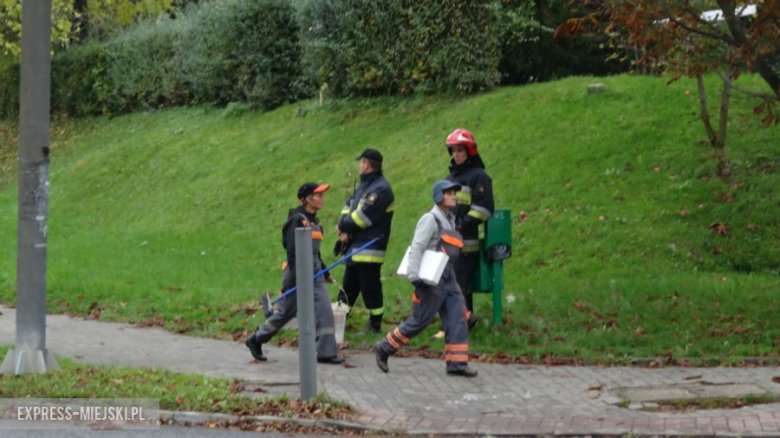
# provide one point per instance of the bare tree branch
(747, 92)
(762, 65)
(691, 29)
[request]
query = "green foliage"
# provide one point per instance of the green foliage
(9, 87)
(172, 217)
(244, 50)
(100, 18)
(174, 391)
(361, 47)
(531, 53)
(11, 25)
(143, 68)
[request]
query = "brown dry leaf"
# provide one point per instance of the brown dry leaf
(598, 387)
(717, 250)
(753, 228)
(657, 169)
(603, 218)
(719, 228)
(347, 365)
(94, 314)
(776, 379)
(683, 212)
(180, 400)
(158, 321)
(240, 335)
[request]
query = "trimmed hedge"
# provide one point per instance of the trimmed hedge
(9, 88)
(265, 53)
(364, 47)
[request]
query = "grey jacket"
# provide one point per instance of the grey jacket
(426, 236)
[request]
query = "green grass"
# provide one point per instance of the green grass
(693, 404)
(175, 215)
(174, 391)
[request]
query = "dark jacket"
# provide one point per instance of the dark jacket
(298, 218)
(368, 213)
(475, 201)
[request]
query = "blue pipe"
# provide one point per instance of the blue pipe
(321, 273)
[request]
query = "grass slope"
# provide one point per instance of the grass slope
(173, 217)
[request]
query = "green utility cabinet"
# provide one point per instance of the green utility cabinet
(493, 250)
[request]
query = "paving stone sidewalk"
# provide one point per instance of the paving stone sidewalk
(418, 397)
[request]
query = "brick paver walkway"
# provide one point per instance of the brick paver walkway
(418, 397)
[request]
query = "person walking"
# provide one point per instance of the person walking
(475, 206)
(312, 200)
(435, 231)
(367, 214)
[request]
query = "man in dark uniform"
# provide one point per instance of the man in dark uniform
(312, 200)
(475, 206)
(367, 214)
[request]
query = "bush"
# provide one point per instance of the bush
(245, 50)
(529, 53)
(9, 87)
(79, 80)
(362, 47)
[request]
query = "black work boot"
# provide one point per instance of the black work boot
(465, 372)
(472, 322)
(256, 348)
(333, 360)
(381, 358)
(374, 325)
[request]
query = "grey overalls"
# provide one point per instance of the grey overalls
(287, 308)
(445, 298)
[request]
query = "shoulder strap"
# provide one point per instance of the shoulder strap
(438, 224)
(306, 222)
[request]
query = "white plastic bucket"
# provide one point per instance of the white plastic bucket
(340, 311)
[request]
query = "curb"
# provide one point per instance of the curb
(203, 418)
(200, 418)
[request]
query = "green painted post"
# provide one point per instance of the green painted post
(498, 292)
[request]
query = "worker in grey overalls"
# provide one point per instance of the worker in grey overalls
(312, 200)
(435, 231)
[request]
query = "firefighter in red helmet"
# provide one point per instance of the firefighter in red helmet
(475, 206)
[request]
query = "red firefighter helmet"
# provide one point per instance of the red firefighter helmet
(462, 137)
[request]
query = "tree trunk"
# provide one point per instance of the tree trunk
(717, 139)
(724, 165)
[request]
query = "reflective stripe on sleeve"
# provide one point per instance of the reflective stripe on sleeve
(361, 219)
(480, 213)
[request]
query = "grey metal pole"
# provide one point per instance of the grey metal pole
(29, 354)
(304, 274)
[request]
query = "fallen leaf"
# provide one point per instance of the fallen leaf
(719, 228)
(657, 169)
(347, 365)
(776, 379)
(683, 212)
(598, 387)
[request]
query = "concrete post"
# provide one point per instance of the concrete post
(29, 354)
(304, 277)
